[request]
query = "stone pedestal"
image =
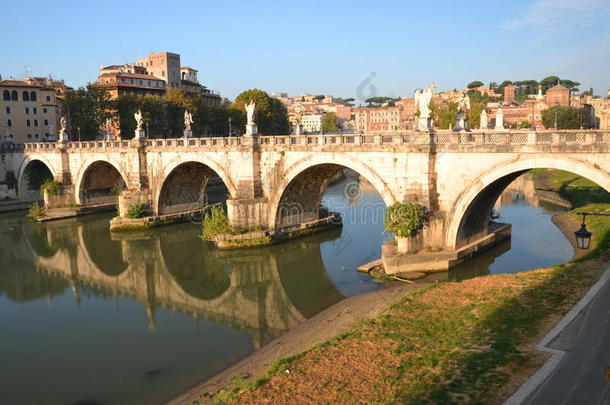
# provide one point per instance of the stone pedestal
(460, 124)
(424, 124)
(298, 130)
(188, 133)
(63, 137)
(140, 134)
(499, 120)
(251, 130)
(484, 122)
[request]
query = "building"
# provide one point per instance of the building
(153, 75)
(139, 84)
(28, 112)
(394, 118)
(600, 112)
(165, 65)
(558, 95)
(312, 122)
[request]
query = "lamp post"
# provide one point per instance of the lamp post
(583, 236)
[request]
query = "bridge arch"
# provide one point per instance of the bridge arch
(33, 171)
(470, 212)
(95, 182)
(183, 181)
(304, 183)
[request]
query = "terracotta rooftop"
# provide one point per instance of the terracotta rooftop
(558, 87)
(16, 83)
(132, 75)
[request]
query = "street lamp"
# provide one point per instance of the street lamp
(583, 236)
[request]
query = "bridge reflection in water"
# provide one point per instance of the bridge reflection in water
(240, 300)
(255, 291)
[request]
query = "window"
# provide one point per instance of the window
(35, 123)
(48, 98)
(35, 110)
(27, 110)
(7, 95)
(9, 123)
(44, 110)
(28, 123)
(8, 110)
(46, 123)
(36, 136)
(14, 95)
(26, 96)
(33, 98)
(29, 136)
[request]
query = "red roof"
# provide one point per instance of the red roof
(16, 83)
(132, 75)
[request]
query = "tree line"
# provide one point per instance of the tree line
(88, 108)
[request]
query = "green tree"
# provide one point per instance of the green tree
(564, 117)
(87, 110)
(444, 115)
(319, 97)
(125, 107)
(329, 122)
(176, 102)
(153, 111)
(377, 101)
(270, 114)
(549, 82)
(476, 83)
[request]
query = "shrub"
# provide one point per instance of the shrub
(35, 210)
(215, 222)
(51, 186)
(136, 211)
(405, 219)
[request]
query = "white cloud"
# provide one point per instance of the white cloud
(554, 16)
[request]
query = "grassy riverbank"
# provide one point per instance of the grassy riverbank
(578, 190)
(459, 342)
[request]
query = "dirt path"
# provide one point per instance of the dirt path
(319, 328)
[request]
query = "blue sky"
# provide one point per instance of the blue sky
(345, 48)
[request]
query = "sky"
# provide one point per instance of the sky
(352, 48)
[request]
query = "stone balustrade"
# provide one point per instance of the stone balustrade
(477, 137)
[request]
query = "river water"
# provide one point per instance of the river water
(93, 318)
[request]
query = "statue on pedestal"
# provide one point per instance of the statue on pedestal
(63, 131)
(188, 120)
(108, 129)
(463, 107)
(298, 120)
(250, 113)
(422, 102)
(139, 120)
(250, 125)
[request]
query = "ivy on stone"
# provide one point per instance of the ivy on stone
(406, 219)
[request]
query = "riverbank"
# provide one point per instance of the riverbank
(461, 341)
(332, 321)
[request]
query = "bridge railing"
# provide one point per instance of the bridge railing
(193, 142)
(475, 137)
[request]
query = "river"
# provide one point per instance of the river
(93, 318)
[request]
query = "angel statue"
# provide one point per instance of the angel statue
(188, 120)
(139, 120)
(63, 123)
(250, 112)
(463, 103)
(422, 100)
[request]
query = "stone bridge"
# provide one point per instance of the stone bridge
(274, 181)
